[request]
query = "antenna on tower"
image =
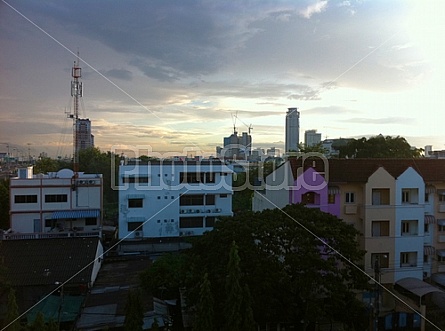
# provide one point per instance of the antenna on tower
(76, 93)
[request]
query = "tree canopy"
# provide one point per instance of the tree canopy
(379, 147)
(288, 262)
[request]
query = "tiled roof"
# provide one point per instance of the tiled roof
(47, 261)
(359, 170)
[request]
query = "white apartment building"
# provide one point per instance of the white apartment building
(167, 199)
(55, 204)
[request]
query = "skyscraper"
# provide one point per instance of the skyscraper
(292, 130)
(311, 138)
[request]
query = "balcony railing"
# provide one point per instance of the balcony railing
(47, 235)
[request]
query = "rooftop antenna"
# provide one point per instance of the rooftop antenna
(76, 93)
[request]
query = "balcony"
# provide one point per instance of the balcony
(47, 235)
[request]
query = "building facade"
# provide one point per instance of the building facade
(311, 138)
(168, 199)
(398, 205)
(83, 134)
(292, 129)
(55, 204)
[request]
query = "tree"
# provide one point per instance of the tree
(289, 271)
(134, 314)
(12, 322)
(4, 204)
(39, 323)
(248, 323)
(204, 308)
(317, 148)
(379, 147)
(234, 294)
(45, 164)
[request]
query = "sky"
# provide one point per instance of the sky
(177, 75)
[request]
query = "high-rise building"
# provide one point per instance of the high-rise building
(236, 146)
(83, 134)
(292, 130)
(311, 138)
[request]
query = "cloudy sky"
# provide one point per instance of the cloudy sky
(173, 74)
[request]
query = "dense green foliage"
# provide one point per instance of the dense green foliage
(134, 314)
(4, 204)
(379, 147)
(285, 271)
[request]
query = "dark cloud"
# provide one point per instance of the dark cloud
(119, 74)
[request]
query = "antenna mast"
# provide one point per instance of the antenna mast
(76, 93)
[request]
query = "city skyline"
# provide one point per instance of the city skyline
(171, 74)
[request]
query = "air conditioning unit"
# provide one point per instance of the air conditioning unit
(208, 211)
(137, 234)
(198, 211)
(190, 211)
(92, 182)
(218, 210)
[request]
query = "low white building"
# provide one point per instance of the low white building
(167, 199)
(55, 204)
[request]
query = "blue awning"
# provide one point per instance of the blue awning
(88, 213)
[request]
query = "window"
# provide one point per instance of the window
(197, 177)
(380, 228)
(440, 258)
(308, 198)
(134, 226)
(380, 196)
(210, 222)
(135, 203)
(408, 259)
(223, 195)
(331, 199)
(50, 223)
(405, 196)
(350, 197)
(210, 199)
(191, 200)
(440, 228)
(191, 222)
(426, 228)
(56, 198)
(427, 197)
(381, 258)
(90, 221)
(410, 228)
(442, 197)
(136, 179)
(411, 195)
(25, 199)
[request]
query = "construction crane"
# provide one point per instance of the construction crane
(249, 127)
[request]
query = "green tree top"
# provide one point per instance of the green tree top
(379, 147)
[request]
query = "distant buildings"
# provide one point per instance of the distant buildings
(58, 204)
(311, 138)
(236, 146)
(83, 134)
(292, 130)
(172, 199)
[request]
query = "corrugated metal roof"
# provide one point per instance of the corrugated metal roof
(47, 261)
(85, 213)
